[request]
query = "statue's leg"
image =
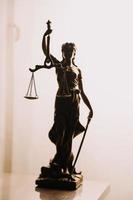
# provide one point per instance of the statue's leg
(60, 132)
(63, 157)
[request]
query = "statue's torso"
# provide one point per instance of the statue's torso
(68, 79)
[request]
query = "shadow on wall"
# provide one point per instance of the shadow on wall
(9, 93)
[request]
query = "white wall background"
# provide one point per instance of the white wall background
(103, 33)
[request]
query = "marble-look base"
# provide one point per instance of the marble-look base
(22, 187)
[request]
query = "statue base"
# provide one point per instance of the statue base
(64, 181)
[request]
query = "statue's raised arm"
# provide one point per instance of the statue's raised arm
(50, 61)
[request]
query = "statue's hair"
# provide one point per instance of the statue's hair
(68, 46)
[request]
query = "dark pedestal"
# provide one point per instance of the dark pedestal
(63, 181)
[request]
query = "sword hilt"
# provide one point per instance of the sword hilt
(49, 25)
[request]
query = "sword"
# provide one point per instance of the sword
(81, 144)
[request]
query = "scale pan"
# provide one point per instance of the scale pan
(31, 98)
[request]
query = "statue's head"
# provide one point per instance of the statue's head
(68, 50)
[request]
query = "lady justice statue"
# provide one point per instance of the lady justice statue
(61, 172)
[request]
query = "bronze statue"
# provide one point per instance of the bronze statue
(66, 124)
